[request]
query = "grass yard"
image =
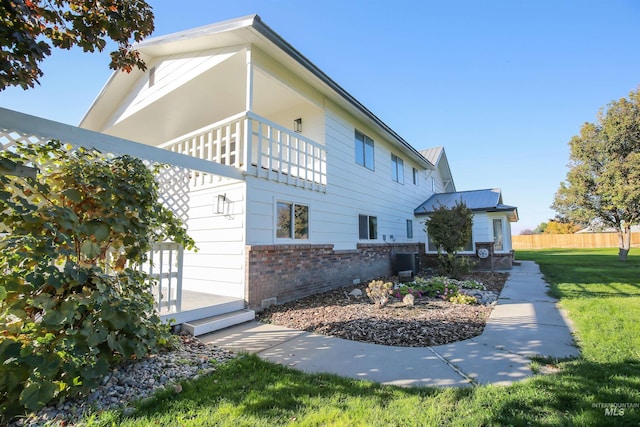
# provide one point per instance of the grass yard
(601, 294)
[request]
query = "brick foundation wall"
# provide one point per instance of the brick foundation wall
(500, 261)
(290, 272)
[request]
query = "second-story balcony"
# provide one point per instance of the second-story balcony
(259, 147)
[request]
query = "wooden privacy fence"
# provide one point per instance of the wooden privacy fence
(585, 240)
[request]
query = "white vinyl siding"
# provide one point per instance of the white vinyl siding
(218, 265)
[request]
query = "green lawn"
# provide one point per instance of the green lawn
(601, 294)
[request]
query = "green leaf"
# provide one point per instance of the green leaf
(68, 309)
(53, 318)
(99, 230)
(116, 319)
(9, 350)
(97, 337)
(3, 293)
(73, 194)
(36, 395)
(90, 249)
(50, 366)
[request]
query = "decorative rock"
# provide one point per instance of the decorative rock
(356, 293)
(483, 297)
(409, 300)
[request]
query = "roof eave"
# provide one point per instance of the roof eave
(162, 45)
(282, 44)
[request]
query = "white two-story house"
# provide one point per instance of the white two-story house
(323, 193)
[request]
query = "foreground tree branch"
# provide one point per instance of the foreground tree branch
(30, 28)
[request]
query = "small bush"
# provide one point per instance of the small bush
(463, 299)
(435, 287)
(450, 229)
(379, 291)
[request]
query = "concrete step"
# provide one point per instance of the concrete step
(220, 321)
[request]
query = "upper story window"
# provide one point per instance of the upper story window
(292, 221)
(433, 184)
(397, 169)
(415, 176)
(364, 150)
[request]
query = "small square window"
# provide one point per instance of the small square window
(292, 221)
(367, 227)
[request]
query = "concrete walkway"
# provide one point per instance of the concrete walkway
(524, 323)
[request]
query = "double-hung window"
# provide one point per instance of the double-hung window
(368, 227)
(292, 221)
(397, 169)
(364, 150)
(415, 176)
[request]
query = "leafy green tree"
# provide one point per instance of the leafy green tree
(540, 228)
(450, 229)
(562, 227)
(29, 28)
(73, 301)
(603, 182)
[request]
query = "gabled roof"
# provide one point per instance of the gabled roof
(241, 31)
(433, 154)
(489, 200)
(438, 157)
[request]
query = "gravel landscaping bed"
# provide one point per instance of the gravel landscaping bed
(429, 322)
(137, 380)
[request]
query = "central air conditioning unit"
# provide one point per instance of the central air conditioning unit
(407, 261)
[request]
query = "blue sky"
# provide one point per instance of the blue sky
(502, 85)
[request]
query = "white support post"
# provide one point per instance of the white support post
(249, 87)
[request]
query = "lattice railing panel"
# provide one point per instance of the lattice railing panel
(173, 181)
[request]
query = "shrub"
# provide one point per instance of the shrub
(463, 299)
(450, 229)
(72, 299)
(379, 291)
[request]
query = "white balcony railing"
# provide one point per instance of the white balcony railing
(259, 147)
